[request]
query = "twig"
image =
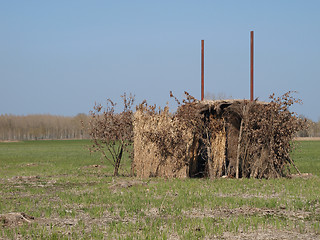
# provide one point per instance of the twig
(163, 202)
(294, 166)
(238, 150)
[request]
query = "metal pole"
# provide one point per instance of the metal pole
(202, 70)
(251, 66)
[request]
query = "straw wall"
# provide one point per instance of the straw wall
(216, 162)
(148, 160)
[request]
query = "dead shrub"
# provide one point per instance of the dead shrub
(268, 132)
(112, 133)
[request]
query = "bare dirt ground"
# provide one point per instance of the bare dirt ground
(307, 138)
(12, 219)
(269, 234)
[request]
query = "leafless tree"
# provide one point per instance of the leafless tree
(111, 132)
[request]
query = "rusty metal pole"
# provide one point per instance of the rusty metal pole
(251, 66)
(202, 70)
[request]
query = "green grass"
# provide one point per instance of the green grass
(307, 157)
(54, 181)
(44, 157)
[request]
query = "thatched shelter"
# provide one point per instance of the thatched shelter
(238, 138)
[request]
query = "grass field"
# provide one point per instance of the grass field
(66, 193)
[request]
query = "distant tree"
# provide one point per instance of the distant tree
(304, 132)
(36, 127)
(219, 96)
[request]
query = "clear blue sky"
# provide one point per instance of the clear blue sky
(60, 57)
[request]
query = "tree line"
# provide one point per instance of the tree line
(313, 129)
(38, 127)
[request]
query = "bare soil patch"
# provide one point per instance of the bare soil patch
(302, 175)
(94, 166)
(14, 218)
(307, 139)
(24, 179)
(246, 211)
(268, 234)
(126, 184)
(35, 181)
(29, 165)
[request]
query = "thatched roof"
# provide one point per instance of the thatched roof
(218, 107)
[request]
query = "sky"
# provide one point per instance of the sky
(60, 57)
